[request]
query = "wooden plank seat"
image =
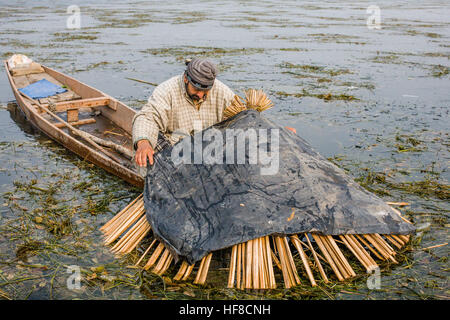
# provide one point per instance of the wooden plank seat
(72, 108)
(81, 103)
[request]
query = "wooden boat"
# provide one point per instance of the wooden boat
(104, 124)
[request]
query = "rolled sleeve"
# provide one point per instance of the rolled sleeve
(144, 129)
(152, 118)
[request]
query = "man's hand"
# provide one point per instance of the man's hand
(144, 151)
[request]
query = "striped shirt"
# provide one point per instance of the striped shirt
(171, 111)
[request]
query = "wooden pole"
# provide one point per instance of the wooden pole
(398, 239)
(133, 218)
(368, 246)
(238, 269)
(341, 257)
(296, 241)
(154, 256)
(382, 242)
(206, 268)
(372, 264)
(248, 265)
(355, 251)
(392, 240)
(142, 81)
(232, 267)
(161, 262)
(122, 212)
(255, 264)
(243, 255)
(132, 237)
(188, 272)
(145, 253)
(293, 269)
(181, 271)
(269, 253)
(263, 265)
(166, 265)
(112, 229)
(327, 256)
(203, 269)
(335, 257)
(316, 259)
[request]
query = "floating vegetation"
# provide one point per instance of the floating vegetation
(439, 71)
(355, 85)
(336, 38)
(437, 54)
(293, 49)
(96, 65)
(390, 58)
(28, 248)
(38, 245)
(320, 80)
(428, 188)
(315, 69)
(16, 43)
(112, 18)
(381, 184)
(189, 17)
(181, 53)
(426, 34)
(324, 96)
(73, 36)
(406, 143)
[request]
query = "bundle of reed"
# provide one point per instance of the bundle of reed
(257, 99)
(254, 99)
(235, 107)
(252, 262)
(131, 226)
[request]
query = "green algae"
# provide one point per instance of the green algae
(323, 96)
(439, 71)
(315, 69)
(414, 277)
(181, 53)
(73, 36)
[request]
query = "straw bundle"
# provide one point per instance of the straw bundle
(252, 262)
(254, 99)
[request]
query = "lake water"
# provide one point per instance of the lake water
(374, 101)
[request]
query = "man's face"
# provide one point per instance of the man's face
(193, 92)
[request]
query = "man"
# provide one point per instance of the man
(179, 106)
(192, 101)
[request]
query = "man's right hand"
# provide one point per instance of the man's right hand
(144, 151)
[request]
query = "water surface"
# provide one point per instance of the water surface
(374, 101)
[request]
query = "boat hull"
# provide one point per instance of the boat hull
(68, 141)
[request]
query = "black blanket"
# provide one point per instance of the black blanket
(198, 206)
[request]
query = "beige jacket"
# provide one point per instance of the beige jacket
(171, 111)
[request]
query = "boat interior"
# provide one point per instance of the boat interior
(85, 108)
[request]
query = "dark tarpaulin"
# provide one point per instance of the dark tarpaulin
(199, 208)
